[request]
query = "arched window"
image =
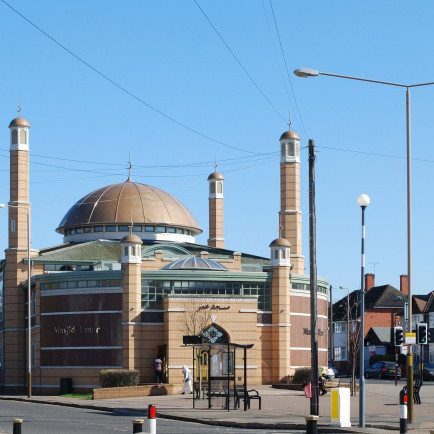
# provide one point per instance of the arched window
(212, 188)
(215, 335)
(283, 254)
(291, 149)
(23, 137)
(219, 187)
(126, 251)
(276, 254)
(14, 137)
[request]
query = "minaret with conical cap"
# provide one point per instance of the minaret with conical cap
(290, 213)
(215, 197)
(14, 338)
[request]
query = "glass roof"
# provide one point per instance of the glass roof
(195, 263)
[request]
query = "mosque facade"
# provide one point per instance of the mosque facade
(128, 282)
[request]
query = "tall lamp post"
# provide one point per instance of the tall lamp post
(29, 300)
(363, 201)
(305, 73)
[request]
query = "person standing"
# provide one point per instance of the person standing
(157, 364)
(187, 380)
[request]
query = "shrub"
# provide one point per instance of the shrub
(118, 378)
(301, 375)
(287, 379)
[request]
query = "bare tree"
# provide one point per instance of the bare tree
(196, 317)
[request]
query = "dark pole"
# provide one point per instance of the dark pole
(331, 326)
(314, 404)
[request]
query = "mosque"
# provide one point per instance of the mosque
(129, 281)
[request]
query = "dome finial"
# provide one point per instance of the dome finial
(129, 166)
(289, 122)
(19, 108)
(215, 164)
(280, 231)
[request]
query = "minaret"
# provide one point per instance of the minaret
(280, 306)
(290, 213)
(16, 271)
(216, 239)
(131, 262)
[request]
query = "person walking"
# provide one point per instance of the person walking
(157, 364)
(187, 380)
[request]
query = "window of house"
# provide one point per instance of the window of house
(340, 353)
(340, 327)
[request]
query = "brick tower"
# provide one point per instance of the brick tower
(216, 239)
(290, 213)
(16, 268)
(280, 307)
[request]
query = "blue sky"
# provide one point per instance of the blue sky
(166, 88)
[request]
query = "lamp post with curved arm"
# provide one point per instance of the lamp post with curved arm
(307, 72)
(29, 298)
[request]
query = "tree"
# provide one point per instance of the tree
(196, 317)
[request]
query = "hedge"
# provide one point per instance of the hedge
(118, 378)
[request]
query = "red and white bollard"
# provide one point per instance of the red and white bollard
(152, 419)
(403, 411)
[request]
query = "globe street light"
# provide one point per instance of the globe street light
(29, 299)
(307, 72)
(363, 201)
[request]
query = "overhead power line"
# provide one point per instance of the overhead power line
(123, 89)
(239, 63)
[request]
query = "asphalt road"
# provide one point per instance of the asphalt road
(49, 419)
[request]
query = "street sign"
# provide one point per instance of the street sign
(372, 350)
(410, 339)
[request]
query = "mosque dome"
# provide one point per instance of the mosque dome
(19, 122)
(216, 175)
(289, 135)
(109, 211)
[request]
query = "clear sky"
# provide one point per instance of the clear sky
(182, 83)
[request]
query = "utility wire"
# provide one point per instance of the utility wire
(239, 63)
(123, 89)
(286, 67)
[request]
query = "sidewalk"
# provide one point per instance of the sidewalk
(281, 409)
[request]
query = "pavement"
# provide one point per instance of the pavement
(281, 409)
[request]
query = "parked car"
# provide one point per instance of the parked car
(428, 371)
(383, 370)
(332, 371)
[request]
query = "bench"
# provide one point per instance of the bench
(332, 383)
(240, 392)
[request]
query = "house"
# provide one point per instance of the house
(383, 308)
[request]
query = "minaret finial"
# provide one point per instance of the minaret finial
(280, 231)
(289, 122)
(19, 108)
(215, 164)
(129, 166)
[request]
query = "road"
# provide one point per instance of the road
(49, 419)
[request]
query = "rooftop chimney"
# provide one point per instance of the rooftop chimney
(369, 281)
(403, 284)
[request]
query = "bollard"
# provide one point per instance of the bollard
(152, 419)
(17, 426)
(138, 425)
(403, 410)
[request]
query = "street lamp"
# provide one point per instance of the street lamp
(307, 72)
(29, 300)
(363, 201)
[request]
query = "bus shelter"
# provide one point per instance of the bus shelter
(219, 379)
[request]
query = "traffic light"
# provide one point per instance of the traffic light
(421, 333)
(398, 336)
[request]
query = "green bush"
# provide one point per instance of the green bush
(118, 378)
(301, 375)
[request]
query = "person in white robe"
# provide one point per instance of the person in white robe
(187, 380)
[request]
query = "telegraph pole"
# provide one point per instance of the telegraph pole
(314, 404)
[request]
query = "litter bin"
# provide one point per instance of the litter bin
(65, 386)
(307, 387)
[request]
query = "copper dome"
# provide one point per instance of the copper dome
(19, 122)
(289, 135)
(129, 201)
(216, 175)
